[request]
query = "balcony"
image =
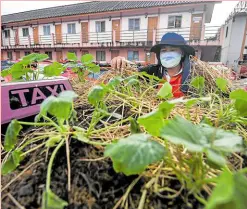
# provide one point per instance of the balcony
(203, 36)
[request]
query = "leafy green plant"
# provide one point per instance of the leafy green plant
(198, 83)
(28, 68)
(86, 66)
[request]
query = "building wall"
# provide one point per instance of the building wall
(231, 46)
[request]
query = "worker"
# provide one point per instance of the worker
(173, 62)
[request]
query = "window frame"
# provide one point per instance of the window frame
(26, 35)
(10, 56)
(45, 32)
(71, 29)
(174, 21)
(5, 33)
(99, 22)
(49, 52)
(133, 56)
(134, 27)
(100, 60)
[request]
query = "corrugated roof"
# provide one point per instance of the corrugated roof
(86, 8)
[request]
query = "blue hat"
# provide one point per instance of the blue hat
(173, 39)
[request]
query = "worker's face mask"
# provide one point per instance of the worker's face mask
(170, 59)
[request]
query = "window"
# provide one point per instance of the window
(134, 24)
(226, 31)
(9, 55)
(174, 21)
(100, 26)
(71, 28)
(133, 55)
(47, 30)
(7, 33)
(25, 32)
(27, 53)
(100, 55)
(49, 54)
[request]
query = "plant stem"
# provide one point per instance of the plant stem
(33, 149)
(111, 126)
(49, 168)
(68, 163)
(52, 122)
(32, 140)
(34, 124)
(201, 200)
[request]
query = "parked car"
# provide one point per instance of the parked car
(5, 64)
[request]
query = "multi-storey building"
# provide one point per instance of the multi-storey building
(108, 29)
(234, 40)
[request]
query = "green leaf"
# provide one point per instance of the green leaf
(240, 97)
(96, 95)
(55, 69)
(166, 91)
(222, 84)
(52, 141)
(41, 57)
(6, 72)
(134, 126)
(126, 80)
(11, 135)
(114, 82)
(52, 201)
(71, 56)
(93, 68)
(230, 192)
(133, 154)
(166, 107)
(87, 58)
(202, 138)
(198, 82)
(133, 82)
(12, 162)
(61, 106)
(79, 135)
(152, 122)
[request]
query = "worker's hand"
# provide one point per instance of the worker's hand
(119, 63)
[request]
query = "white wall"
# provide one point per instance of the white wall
(103, 36)
(11, 40)
(46, 39)
(23, 40)
(184, 30)
(127, 35)
(71, 38)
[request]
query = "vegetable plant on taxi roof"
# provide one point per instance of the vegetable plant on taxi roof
(28, 68)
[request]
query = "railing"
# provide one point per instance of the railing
(201, 35)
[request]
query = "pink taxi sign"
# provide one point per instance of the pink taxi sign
(23, 99)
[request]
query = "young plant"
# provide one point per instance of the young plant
(28, 68)
(87, 65)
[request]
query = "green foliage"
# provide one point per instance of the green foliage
(202, 138)
(61, 107)
(71, 56)
(198, 82)
(6, 72)
(230, 192)
(12, 162)
(114, 82)
(35, 57)
(134, 126)
(153, 122)
(12, 132)
(96, 95)
(52, 201)
(54, 69)
(221, 84)
(133, 154)
(166, 91)
(240, 101)
(52, 141)
(87, 58)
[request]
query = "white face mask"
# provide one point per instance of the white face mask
(170, 59)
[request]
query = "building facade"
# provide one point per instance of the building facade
(107, 29)
(234, 40)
